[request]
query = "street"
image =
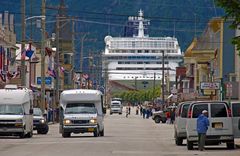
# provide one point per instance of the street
(123, 136)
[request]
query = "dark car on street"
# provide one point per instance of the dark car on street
(39, 122)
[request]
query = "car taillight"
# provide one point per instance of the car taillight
(189, 113)
(229, 112)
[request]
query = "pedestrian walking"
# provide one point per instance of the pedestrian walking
(172, 116)
(141, 110)
(127, 111)
(168, 117)
(137, 110)
(45, 114)
(144, 112)
(202, 127)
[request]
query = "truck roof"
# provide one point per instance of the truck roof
(80, 95)
(14, 96)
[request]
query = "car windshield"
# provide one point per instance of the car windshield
(37, 112)
(11, 109)
(80, 108)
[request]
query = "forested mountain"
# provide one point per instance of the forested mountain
(180, 18)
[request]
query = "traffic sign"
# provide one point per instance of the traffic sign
(229, 89)
(48, 80)
(210, 85)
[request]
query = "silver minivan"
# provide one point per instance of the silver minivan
(180, 122)
(220, 121)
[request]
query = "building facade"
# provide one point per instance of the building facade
(8, 69)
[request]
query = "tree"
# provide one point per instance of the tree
(232, 9)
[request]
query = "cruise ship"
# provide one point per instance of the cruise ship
(140, 57)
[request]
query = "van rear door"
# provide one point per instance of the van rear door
(221, 121)
(236, 118)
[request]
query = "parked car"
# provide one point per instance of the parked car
(180, 122)
(220, 128)
(235, 107)
(39, 122)
(159, 116)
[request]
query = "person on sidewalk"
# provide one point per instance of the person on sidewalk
(202, 127)
(127, 111)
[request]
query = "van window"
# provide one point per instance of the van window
(236, 110)
(80, 108)
(198, 108)
(218, 110)
(184, 110)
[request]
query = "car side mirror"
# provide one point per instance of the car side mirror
(104, 110)
(31, 111)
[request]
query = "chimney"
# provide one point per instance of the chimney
(11, 22)
(6, 24)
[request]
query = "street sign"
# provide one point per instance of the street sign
(210, 85)
(229, 89)
(48, 80)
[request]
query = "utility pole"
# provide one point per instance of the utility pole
(163, 90)
(56, 65)
(73, 46)
(23, 69)
(154, 83)
(81, 58)
(43, 56)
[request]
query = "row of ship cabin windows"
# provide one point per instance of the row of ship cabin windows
(139, 77)
(127, 68)
(142, 51)
(134, 62)
(142, 57)
(150, 44)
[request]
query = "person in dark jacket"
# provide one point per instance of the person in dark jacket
(202, 127)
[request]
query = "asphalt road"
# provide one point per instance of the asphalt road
(131, 136)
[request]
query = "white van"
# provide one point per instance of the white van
(116, 107)
(81, 111)
(16, 117)
(220, 123)
(235, 107)
(180, 122)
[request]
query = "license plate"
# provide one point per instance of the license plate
(218, 125)
(90, 129)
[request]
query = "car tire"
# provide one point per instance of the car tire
(29, 135)
(101, 133)
(96, 132)
(111, 113)
(178, 141)
(189, 145)
(230, 145)
(22, 135)
(45, 130)
(157, 119)
(66, 134)
(120, 113)
(164, 121)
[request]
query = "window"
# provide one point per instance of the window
(67, 59)
(185, 110)
(198, 108)
(218, 110)
(80, 108)
(236, 110)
